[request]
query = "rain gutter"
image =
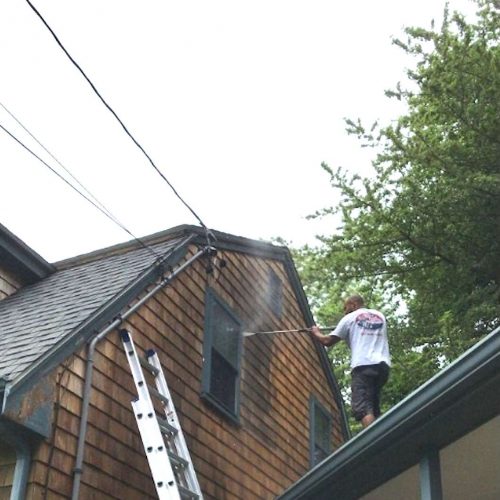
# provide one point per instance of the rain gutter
(78, 469)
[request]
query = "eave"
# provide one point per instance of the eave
(447, 407)
(19, 257)
(98, 319)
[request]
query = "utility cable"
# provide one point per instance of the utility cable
(79, 192)
(208, 233)
(62, 166)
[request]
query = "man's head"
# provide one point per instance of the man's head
(352, 303)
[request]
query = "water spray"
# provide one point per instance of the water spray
(297, 330)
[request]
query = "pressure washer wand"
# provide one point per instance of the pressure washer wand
(298, 330)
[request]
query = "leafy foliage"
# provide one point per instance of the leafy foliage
(422, 234)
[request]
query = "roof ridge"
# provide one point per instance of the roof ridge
(124, 247)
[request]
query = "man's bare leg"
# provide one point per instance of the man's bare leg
(367, 420)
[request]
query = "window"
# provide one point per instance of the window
(320, 425)
(275, 294)
(222, 357)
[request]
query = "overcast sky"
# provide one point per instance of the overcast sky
(237, 103)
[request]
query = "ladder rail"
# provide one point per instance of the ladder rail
(159, 463)
(173, 420)
(166, 450)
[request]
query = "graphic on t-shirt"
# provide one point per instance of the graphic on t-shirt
(370, 324)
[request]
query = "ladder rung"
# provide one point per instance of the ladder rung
(165, 427)
(158, 394)
(187, 494)
(148, 366)
(177, 461)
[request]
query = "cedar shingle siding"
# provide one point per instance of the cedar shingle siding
(7, 466)
(9, 283)
(256, 458)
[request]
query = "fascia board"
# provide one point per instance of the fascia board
(31, 265)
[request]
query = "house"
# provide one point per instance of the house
(441, 442)
(257, 411)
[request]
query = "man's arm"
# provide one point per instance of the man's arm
(326, 340)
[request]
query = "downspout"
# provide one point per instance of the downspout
(23, 463)
(77, 471)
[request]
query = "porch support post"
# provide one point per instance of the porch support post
(430, 477)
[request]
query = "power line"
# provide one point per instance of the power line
(117, 118)
(108, 215)
(62, 166)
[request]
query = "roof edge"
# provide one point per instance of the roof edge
(98, 319)
(421, 408)
(215, 238)
(30, 264)
(323, 356)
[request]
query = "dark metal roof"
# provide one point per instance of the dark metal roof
(458, 399)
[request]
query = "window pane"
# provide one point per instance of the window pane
(322, 428)
(319, 455)
(275, 294)
(223, 381)
(226, 335)
(221, 351)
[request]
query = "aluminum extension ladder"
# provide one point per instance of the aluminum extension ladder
(166, 450)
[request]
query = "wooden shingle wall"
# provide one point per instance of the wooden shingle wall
(7, 467)
(257, 459)
(9, 283)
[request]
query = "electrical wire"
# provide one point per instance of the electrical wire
(134, 140)
(103, 211)
(62, 166)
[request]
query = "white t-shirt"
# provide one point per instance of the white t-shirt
(365, 332)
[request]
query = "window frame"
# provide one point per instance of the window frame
(211, 299)
(314, 406)
(275, 293)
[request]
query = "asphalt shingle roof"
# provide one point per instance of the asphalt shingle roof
(36, 318)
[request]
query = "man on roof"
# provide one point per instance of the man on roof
(365, 332)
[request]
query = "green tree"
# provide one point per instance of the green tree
(424, 229)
